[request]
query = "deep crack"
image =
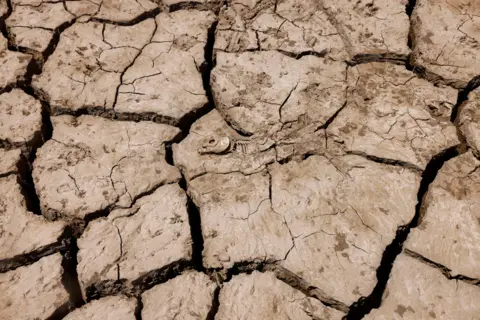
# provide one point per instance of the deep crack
(139, 308)
(215, 305)
(282, 274)
(444, 270)
(365, 304)
(138, 286)
(194, 220)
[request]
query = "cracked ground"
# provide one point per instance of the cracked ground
(239, 159)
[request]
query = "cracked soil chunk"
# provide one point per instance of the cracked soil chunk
(8, 161)
(238, 223)
(130, 242)
(469, 121)
(151, 68)
(341, 214)
(395, 115)
(165, 78)
(211, 147)
(187, 297)
(13, 65)
(3, 7)
(22, 231)
(108, 308)
(92, 163)
(446, 38)
(85, 70)
(260, 92)
(20, 119)
(415, 290)
(32, 23)
(34, 291)
(290, 26)
(449, 232)
(366, 26)
(262, 296)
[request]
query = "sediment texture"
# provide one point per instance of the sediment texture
(239, 159)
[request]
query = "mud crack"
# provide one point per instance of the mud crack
(365, 304)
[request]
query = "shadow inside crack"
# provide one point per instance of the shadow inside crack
(365, 304)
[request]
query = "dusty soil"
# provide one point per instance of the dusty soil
(239, 159)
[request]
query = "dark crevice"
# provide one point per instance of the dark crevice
(391, 162)
(10, 86)
(410, 6)
(245, 267)
(25, 180)
(25, 166)
(6, 174)
(32, 257)
(463, 98)
(9, 9)
(142, 17)
(182, 123)
(196, 234)
(60, 312)
(92, 111)
(282, 274)
(70, 277)
(194, 219)
(215, 305)
(169, 153)
(411, 35)
(106, 288)
(4, 17)
(473, 84)
(330, 120)
(299, 55)
(214, 6)
(100, 111)
(444, 270)
(304, 157)
(391, 57)
(434, 78)
(25, 163)
(206, 69)
(162, 275)
(300, 284)
(102, 213)
(36, 65)
(138, 286)
(188, 119)
(365, 304)
(139, 308)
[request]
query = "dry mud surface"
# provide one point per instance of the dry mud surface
(239, 159)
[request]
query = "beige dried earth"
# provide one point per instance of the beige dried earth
(446, 38)
(239, 159)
